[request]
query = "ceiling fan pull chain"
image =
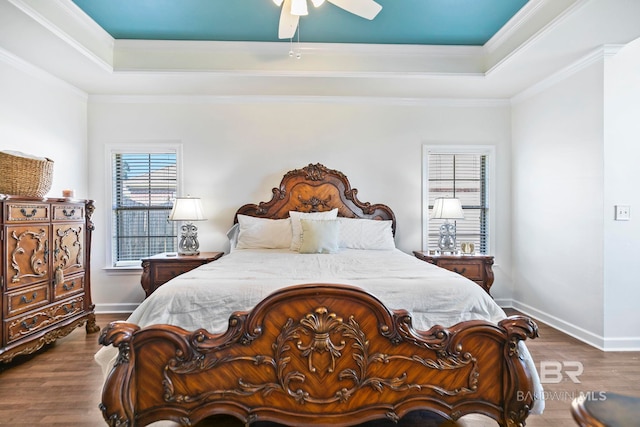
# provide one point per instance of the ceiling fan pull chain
(296, 51)
(298, 54)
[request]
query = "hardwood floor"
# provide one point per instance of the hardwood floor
(602, 371)
(57, 386)
(60, 386)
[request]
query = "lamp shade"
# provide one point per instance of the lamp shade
(447, 208)
(187, 209)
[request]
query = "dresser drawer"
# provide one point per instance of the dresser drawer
(68, 212)
(473, 271)
(27, 299)
(31, 212)
(70, 286)
(35, 321)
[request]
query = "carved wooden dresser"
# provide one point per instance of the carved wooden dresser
(44, 276)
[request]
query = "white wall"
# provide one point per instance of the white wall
(621, 185)
(43, 116)
(236, 150)
(575, 154)
(558, 204)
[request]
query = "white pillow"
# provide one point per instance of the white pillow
(296, 228)
(232, 234)
(263, 233)
(356, 233)
(319, 236)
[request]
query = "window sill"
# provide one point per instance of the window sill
(123, 270)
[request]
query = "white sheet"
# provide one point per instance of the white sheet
(206, 296)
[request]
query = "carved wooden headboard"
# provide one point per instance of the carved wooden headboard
(315, 188)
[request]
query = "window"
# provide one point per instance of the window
(463, 173)
(145, 184)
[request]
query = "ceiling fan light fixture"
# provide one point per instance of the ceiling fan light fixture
(292, 10)
(299, 7)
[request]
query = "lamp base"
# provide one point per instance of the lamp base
(188, 253)
(447, 240)
(188, 244)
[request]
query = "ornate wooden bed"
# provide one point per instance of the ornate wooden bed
(318, 354)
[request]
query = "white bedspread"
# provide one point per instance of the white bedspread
(206, 296)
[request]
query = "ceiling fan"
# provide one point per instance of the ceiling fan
(293, 9)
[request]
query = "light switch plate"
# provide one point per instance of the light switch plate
(623, 213)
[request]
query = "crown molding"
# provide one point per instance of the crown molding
(587, 60)
(524, 15)
(283, 46)
(40, 74)
(558, 20)
(69, 23)
(269, 99)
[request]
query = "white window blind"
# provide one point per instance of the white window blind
(144, 188)
(464, 176)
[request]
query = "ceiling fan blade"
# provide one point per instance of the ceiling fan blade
(364, 8)
(288, 21)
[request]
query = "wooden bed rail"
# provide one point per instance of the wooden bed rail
(318, 354)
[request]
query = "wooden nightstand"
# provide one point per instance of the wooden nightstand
(475, 267)
(161, 268)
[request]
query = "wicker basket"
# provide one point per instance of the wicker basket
(24, 175)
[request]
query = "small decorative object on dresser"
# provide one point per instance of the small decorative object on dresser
(467, 248)
(45, 278)
(161, 268)
(475, 267)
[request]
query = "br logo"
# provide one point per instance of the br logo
(553, 371)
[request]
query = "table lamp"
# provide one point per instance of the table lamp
(187, 209)
(447, 208)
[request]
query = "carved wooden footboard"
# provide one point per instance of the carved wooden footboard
(317, 355)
